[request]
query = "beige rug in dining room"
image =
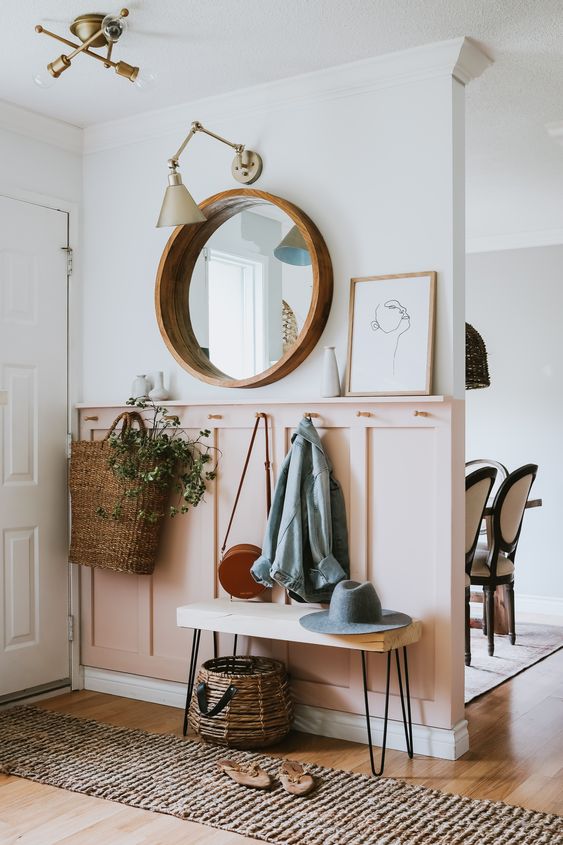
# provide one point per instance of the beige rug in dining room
(533, 643)
(167, 774)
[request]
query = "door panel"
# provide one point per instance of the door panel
(33, 498)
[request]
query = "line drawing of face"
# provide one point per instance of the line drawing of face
(391, 317)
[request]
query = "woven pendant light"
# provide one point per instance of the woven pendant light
(476, 367)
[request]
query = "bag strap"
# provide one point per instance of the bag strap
(267, 466)
(201, 693)
(128, 417)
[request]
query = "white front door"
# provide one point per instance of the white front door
(34, 648)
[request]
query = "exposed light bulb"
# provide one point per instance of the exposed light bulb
(113, 27)
(145, 78)
(44, 79)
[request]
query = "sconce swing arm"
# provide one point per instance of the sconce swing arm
(246, 167)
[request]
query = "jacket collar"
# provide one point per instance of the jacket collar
(307, 431)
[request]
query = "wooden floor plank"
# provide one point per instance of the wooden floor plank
(516, 756)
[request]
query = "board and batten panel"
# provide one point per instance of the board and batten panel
(391, 465)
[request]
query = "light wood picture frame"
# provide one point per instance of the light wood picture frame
(391, 335)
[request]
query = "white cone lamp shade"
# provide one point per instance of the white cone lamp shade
(178, 206)
(293, 249)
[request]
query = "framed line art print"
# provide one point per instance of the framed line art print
(391, 335)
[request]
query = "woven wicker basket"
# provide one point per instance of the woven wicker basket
(246, 702)
(476, 365)
(128, 544)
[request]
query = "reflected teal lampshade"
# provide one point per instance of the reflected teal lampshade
(293, 249)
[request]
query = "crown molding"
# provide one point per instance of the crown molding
(514, 240)
(41, 128)
(471, 62)
(459, 58)
(555, 131)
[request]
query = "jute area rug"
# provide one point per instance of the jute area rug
(167, 774)
(533, 643)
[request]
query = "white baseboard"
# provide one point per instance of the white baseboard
(448, 744)
(539, 605)
(550, 607)
(138, 687)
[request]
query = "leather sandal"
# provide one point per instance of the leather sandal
(294, 779)
(251, 775)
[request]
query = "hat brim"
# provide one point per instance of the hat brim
(319, 621)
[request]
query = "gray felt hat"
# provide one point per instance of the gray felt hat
(354, 609)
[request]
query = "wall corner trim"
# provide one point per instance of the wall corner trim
(40, 127)
(447, 744)
(461, 58)
(471, 62)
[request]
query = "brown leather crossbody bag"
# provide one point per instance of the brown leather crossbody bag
(236, 562)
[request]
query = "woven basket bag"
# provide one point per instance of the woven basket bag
(242, 702)
(127, 544)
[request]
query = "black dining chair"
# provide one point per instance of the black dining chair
(494, 565)
(478, 486)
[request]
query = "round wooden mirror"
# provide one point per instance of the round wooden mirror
(242, 299)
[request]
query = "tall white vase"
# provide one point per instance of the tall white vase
(158, 393)
(330, 385)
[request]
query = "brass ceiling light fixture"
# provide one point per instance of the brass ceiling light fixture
(93, 30)
(178, 206)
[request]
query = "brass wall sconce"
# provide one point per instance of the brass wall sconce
(178, 206)
(93, 30)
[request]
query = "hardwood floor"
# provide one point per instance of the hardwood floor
(516, 756)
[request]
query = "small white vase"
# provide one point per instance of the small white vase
(158, 393)
(140, 387)
(331, 382)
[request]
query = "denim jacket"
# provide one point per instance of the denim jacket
(306, 543)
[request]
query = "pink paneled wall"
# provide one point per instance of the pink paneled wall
(396, 470)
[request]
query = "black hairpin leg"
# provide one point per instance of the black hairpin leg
(235, 645)
(368, 723)
(407, 718)
(191, 676)
(215, 645)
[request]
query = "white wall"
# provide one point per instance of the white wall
(515, 300)
(39, 155)
(41, 161)
(374, 155)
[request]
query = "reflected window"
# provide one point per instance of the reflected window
(237, 288)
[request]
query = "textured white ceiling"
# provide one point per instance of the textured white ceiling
(212, 46)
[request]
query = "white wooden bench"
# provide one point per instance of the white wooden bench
(281, 622)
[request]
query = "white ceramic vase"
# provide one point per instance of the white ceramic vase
(330, 382)
(158, 393)
(140, 387)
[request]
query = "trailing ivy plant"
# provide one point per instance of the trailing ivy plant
(162, 457)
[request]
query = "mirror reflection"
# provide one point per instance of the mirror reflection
(251, 291)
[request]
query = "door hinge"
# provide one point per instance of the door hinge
(70, 628)
(68, 250)
(68, 445)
